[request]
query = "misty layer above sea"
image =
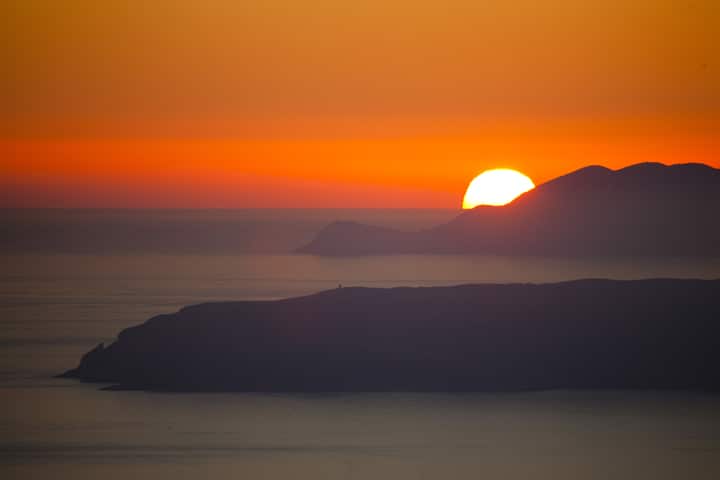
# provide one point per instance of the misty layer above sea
(189, 231)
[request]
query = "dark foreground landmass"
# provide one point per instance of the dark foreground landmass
(648, 209)
(652, 334)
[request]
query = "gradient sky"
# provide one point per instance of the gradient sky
(319, 103)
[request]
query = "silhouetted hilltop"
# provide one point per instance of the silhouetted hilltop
(583, 334)
(646, 209)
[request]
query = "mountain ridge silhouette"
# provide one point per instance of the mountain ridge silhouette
(646, 209)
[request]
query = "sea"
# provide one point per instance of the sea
(70, 279)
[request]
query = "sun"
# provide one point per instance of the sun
(496, 187)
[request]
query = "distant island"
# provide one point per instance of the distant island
(647, 209)
(586, 334)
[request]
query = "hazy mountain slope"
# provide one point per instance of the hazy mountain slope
(644, 209)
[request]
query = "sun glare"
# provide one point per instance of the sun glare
(496, 187)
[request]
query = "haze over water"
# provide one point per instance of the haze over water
(72, 279)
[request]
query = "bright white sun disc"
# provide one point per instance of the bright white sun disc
(496, 187)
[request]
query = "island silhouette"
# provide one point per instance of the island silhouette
(647, 209)
(584, 334)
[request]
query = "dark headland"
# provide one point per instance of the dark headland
(647, 209)
(587, 334)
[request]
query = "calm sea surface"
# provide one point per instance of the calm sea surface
(71, 279)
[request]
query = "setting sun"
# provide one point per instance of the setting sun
(496, 187)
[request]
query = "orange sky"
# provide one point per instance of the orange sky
(315, 103)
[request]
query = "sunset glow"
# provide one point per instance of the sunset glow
(496, 187)
(305, 104)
